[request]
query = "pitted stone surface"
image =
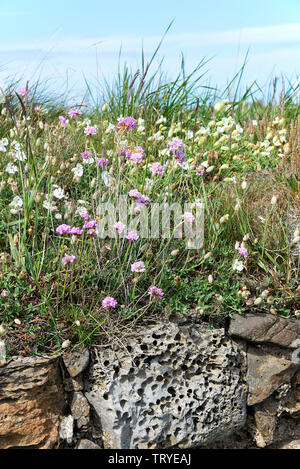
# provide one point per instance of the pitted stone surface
(169, 386)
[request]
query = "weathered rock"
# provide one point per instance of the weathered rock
(265, 328)
(80, 409)
(173, 386)
(76, 361)
(87, 444)
(31, 401)
(2, 352)
(267, 371)
(66, 428)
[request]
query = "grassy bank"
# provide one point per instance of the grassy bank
(235, 153)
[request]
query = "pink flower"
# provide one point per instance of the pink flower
(90, 130)
(90, 224)
(155, 292)
(119, 226)
(200, 170)
(136, 157)
(22, 91)
(63, 229)
(109, 302)
(76, 231)
(73, 113)
(140, 198)
(85, 216)
(86, 155)
(243, 252)
(138, 267)
(68, 259)
(102, 162)
(157, 168)
(176, 144)
(179, 156)
(63, 121)
(132, 236)
(37, 109)
(189, 217)
(127, 124)
(92, 233)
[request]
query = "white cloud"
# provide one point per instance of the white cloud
(284, 33)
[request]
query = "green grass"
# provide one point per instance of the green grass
(247, 165)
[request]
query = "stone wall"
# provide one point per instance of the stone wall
(177, 384)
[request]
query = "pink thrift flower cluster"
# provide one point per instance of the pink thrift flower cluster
(66, 260)
(102, 162)
(89, 130)
(155, 292)
(119, 227)
(157, 168)
(63, 121)
(243, 252)
(200, 170)
(127, 124)
(73, 113)
(138, 267)
(176, 146)
(109, 302)
(86, 155)
(136, 155)
(132, 236)
(139, 198)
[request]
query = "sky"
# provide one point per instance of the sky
(64, 41)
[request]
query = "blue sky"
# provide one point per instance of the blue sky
(56, 38)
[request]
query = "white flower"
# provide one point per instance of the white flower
(58, 216)
(78, 170)
(107, 179)
(59, 193)
(81, 210)
(238, 266)
(17, 203)
(11, 169)
(189, 134)
(110, 128)
(20, 155)
(3, 144)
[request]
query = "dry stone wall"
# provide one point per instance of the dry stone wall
(178, 384)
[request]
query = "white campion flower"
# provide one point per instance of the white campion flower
(59, 193)
(20, 155)
(11, 169)
(107, 179)
(238, 265)
(189, 134)
(3, 145)
(17, 203)
(110, 128)
(78, 170)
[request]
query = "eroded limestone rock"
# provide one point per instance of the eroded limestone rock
(169, 386)
(80, 409)
(87, 444)
(31, 402)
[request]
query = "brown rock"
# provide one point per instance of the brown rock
(265, 328)
(87, 444)
(80, 409)
(31, 401)
(76, 361)
(266, 372)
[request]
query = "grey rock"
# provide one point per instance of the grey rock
(87, 444)
(265, 328)
(66, 428)
(80, 409)
(266, 372)
(76, 361)
(173, 386)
